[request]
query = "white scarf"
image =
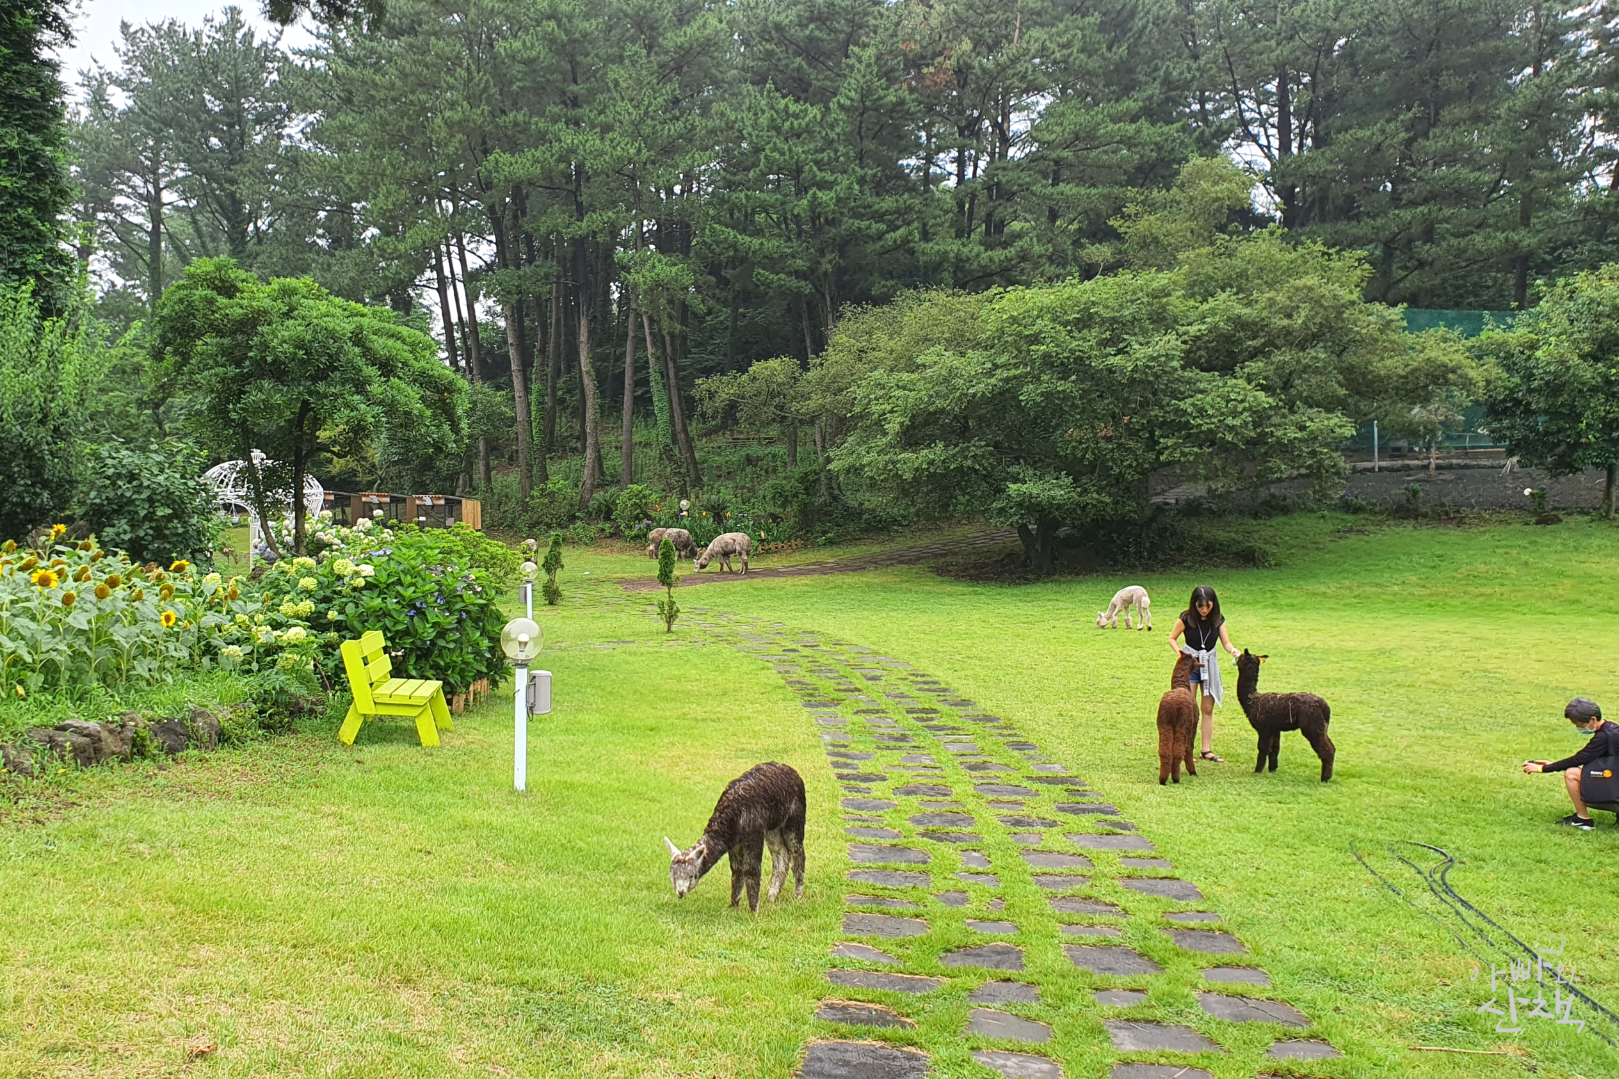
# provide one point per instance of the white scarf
(1210, 670)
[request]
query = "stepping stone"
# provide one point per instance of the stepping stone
(868, 805)
(1237, 975)
(872, 833)
(1076, 904)
(882, 853)
(1145, 863)
(994, 1024)
(917, 758)
(951, 837)
(988, 879)
(1027, 839)
(1081, 808)
(863, 1015)
(942, 820)
(972, 859)
(952, 899)
(991, 956)
(1121, 825)
(1249, 1010)
(855, 788)
(1050, 768)
(1092, 931)
(850, 755)
(987, 766)
(1003, 790)
(1046, 859)
(1164, 887)
(881, 901)
(962, 749)
(883, 925)
(1209, 941)
(1299, 1050)
(996, 905)
(1137, 1037)
(1109, 959)
(1018, 1065)
(924, 790)
(1021, 745)
(848, 949)
(892, 739)
(891, 878)
(1107, 998)
(1015, 821)
(1005, 993)
(1056, 882)
(1057, 781)
(1156, 1071)
(864, 777)
(991, 927)
(1188, 917)
(861, 1060)
(931, 804)
(1109, 842)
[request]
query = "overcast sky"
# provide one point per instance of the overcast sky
(96, 27)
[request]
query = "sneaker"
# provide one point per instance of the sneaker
(1584, 823)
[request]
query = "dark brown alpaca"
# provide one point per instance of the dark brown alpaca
(1177, 722)
(1272, 713)
(764, 805)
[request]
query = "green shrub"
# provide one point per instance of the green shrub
(477, 550)
(552, 563)
(668, 609)
(151, 503)
(632, 513)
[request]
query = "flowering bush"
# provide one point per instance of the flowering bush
(440, 615)
(73, 615)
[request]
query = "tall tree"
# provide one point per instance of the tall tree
(34, 191)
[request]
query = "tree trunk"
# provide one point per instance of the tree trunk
(677, 415)
(626, 449)
(525, 477)
(444, 307)
(1520, 283)
(820, 457)
(154, 247)
(792, 447)
(1607, 489)
(474, 344)
(587, 381)
(553, 371)
(1030, 545)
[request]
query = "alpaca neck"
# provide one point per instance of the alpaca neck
(1247, 684)
(713, 851)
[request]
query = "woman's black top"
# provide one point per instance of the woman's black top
(1199, 636)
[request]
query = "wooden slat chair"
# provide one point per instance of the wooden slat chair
(377, 694)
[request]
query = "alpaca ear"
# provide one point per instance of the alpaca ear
(674, 851)
(1262, 659)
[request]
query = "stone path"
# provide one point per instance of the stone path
(907, 556)
(987, 882)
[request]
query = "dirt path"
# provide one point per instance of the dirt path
(904, 556)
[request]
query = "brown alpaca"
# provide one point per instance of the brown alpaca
(1272, 713)
(764, 806)
(1177, 723)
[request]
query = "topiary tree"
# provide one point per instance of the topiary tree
(152, 504)
(668, 609)
(553, 562)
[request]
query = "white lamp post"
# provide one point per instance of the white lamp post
(529, 569)
(520, 640)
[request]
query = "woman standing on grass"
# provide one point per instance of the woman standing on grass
(1204, 627)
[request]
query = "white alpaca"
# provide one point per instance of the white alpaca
(1131, 599)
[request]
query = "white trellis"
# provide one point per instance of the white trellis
(233, 496)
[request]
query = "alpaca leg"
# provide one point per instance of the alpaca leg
(1322, 744)
(1166, 750)
(1264, 747)
(1188, 737)
(778, 863)
(1275, 748)
(737, 874)
(794, 832)
(755, 857)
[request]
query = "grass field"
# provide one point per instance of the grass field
(301, 908)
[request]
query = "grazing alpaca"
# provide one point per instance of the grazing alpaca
(1177, 722)
(724, 548)
(764, 805)
(1272, 713)
(1127, 600)
(685, 546)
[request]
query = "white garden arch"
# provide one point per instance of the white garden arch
(232, 496)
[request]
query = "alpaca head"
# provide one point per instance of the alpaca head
(1248, 664)
(1101, 619)
(1182, 675)
(685, 867)
(701, 561)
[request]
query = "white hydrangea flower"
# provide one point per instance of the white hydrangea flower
(367, 570)
(308, 584)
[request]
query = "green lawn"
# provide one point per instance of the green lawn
(385, 910)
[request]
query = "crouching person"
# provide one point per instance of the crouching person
(1604, 743)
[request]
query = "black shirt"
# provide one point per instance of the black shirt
(1201, 637)
(1604, 743)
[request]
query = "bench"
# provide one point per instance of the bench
(377, 693)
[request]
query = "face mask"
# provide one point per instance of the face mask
(1587, 731)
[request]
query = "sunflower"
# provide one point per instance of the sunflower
(169, 619)
(180, 566)
(138, 595)
(45, 578)
(233, 593)
(9, 547)
(102, 591)
(98, 556)
(86, 545)
(58, 531)
(166, 593)
(69, 599)
(82, 574)
(114, 581)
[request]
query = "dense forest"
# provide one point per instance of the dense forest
(594, 205)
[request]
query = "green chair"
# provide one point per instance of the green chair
(378, 694)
